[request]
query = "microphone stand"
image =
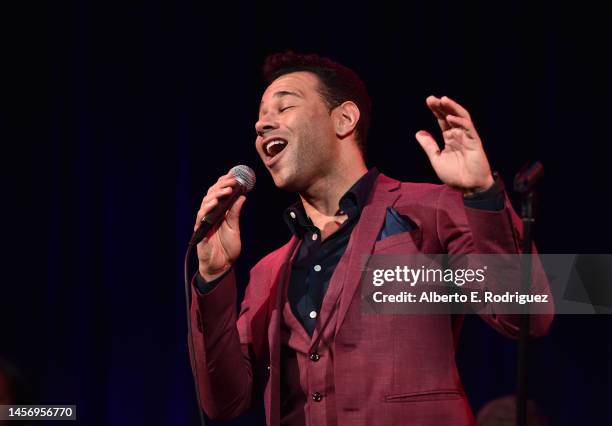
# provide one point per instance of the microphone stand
(524, 183)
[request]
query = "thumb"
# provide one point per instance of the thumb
(429, 144)
(233, 214)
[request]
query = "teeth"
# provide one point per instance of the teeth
(272, 143)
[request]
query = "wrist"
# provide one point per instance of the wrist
(209, 276)
(488, 184)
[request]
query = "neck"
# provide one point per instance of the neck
(321, 200)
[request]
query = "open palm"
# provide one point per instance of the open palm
(462, 164)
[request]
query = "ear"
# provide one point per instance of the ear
(345, 117)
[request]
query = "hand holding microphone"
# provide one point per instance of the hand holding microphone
(216, 230)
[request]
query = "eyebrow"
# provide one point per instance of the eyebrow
(282, 93)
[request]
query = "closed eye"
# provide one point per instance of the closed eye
(286, 108)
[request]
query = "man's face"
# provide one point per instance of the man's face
(295, 133)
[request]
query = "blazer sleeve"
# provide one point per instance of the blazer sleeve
(465, 230)
(221, 340)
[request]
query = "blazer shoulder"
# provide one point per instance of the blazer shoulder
(427, 193)
(422, 187)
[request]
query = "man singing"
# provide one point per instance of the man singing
(300, 337)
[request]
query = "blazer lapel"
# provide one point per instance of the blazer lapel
(361, 243)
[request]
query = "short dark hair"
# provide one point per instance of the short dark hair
(338, 84)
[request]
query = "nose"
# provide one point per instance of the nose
(264, 125)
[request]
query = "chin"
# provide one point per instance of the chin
(282, 183)
(285, 182)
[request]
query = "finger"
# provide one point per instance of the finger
(226, 177)
(223, 182)
(204, 210)
(453, 140)
(217, 192)
(453, 134)
(449, 106)
(233, 214)
(429, 144)
(434, 104)
(460, 122)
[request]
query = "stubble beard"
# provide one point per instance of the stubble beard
(301, 166)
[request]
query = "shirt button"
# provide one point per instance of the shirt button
(315, 236)
(292, 214)
(317, 397)
(317, 268)
(313, 314)
(315, 357)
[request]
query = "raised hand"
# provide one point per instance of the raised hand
(462, 164)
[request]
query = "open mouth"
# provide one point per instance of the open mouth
(274, 146)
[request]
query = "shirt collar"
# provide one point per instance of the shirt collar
(351, 203)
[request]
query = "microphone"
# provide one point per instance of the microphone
(245, 176)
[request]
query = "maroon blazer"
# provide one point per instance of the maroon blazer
(414, 380)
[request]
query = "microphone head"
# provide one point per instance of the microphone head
(245, 176)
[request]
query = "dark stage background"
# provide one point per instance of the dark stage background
(117, 117)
